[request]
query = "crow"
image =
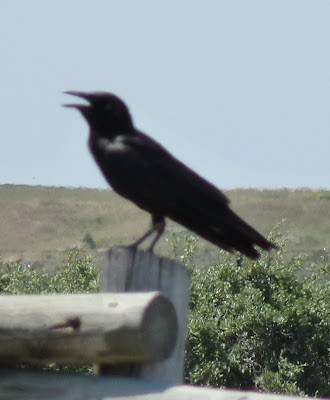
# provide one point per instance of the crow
(144, 172)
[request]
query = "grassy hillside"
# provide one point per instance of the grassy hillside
(39, 223)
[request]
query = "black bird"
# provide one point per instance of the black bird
(143, 171)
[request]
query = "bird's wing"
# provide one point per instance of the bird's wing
(148, 173)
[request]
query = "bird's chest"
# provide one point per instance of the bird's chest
(119, 163)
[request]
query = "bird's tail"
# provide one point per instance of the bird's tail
(229, 232)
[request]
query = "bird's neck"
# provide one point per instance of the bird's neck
(111, 134)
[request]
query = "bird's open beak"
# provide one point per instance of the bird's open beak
(83, 95)
(80, 107)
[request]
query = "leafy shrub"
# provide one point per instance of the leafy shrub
(260, 326)
(21, 278)
(76, 276)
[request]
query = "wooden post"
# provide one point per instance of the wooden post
(129, 269)
(86, 328)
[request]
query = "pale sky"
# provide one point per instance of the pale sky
(238, 90)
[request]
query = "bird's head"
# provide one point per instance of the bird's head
(105, 113)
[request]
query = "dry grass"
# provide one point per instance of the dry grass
(39, 223)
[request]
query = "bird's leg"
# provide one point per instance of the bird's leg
(159, 226)
(144, 237)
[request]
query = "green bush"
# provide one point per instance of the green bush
(78, 275)
(259, 326)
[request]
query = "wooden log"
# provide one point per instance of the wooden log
(32, 385)
(86, 328)
(129, 269)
